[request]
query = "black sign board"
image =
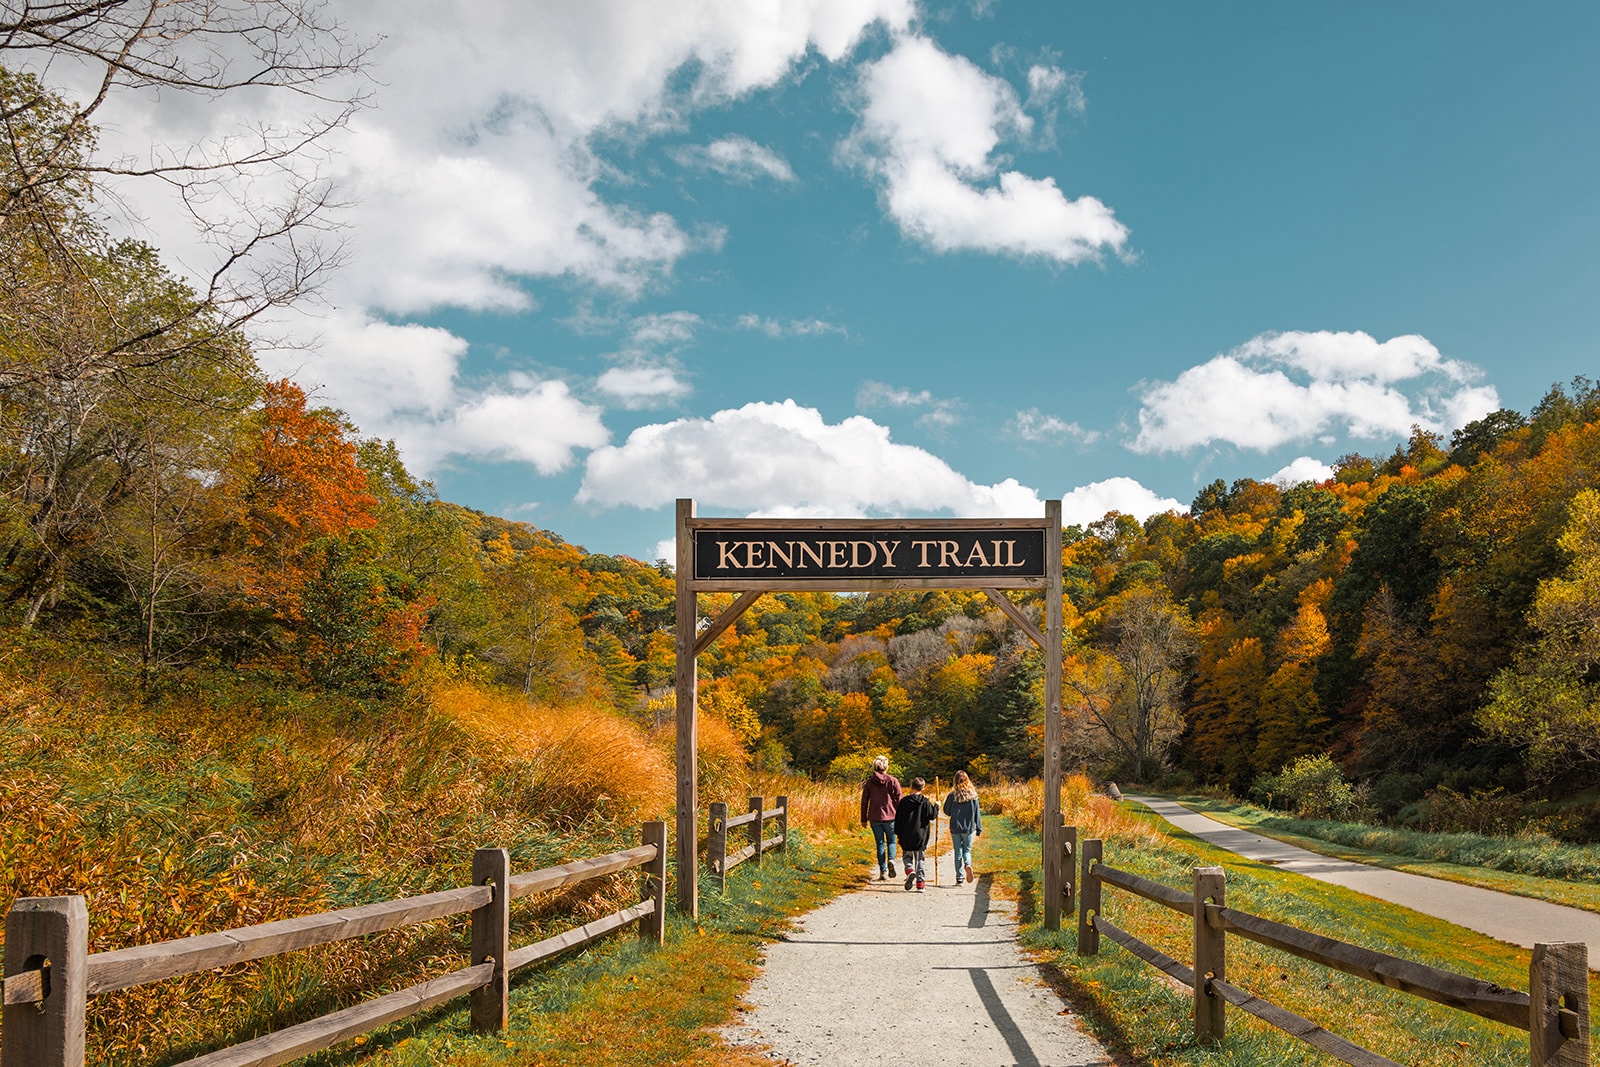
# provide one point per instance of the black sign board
(832, 554)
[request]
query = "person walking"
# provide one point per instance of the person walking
(966, 822)
(880, 793)
(913, 822)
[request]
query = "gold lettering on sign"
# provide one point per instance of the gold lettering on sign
(947, 553)
(815, 552)
(725, 554)
(753, 554)
(836, 557)
(976, 555)
(775, 553)
(888, 552)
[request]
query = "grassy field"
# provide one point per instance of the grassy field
(1146, 1018)
(1572, 872)
(621, 1002)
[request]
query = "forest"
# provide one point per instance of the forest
(1428, 619)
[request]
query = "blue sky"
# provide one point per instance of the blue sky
(887, 257)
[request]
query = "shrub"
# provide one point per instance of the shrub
(1312, 787)
(1492, 813)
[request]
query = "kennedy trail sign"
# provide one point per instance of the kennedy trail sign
(756, 556)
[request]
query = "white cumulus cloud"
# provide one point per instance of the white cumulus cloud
(1279, 388)
(929, 130)
(1089, 503)
(782, 459)
(1303, 469)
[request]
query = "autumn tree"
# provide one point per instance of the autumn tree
(1128, 689)
(254, 194)
(1549, 700)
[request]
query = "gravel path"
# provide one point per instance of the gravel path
(1518, 920)
(882, 975)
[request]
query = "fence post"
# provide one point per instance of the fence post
(1558, 987)
(755, 826)
(53, 931)
(491, 938)
(1089, 899)
(717, 845)
(653, 927)
(1069, 866)
(783, 822)
(1210, 957)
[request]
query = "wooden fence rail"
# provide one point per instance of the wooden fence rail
(720, 859)
(50, 974)
(1555, 1012)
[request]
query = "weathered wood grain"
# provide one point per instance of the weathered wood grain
(1210, 956)
(1299, 1027)
(127, 967)
(581, 935)
(49, 1032)
(1149, 953)
(288, 1044)
(1458, 991)
(1558, 991)
(490, 1003)
(566, 874)
(1089, 899)
(729, 616)
(1175, 899)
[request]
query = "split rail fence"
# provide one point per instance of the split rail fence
(1555, 1011)
(50, 973)
(757, 818)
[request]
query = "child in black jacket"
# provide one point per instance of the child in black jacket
(913, 822)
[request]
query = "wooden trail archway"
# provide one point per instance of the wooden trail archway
(756, 556)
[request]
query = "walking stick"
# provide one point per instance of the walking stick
(936, 833)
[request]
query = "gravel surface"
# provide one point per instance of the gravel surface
(883, 975)
(1518, 920)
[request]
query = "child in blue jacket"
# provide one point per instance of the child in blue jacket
(965, 823)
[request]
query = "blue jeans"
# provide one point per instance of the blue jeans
(883, 838)
(962, 844)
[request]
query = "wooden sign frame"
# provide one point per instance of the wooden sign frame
(978, 560)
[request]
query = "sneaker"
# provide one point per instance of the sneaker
(883, 875)
(910, 879)
(891, 869)
(969, 872)
(922, 887)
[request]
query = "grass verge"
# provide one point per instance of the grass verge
(1145, 1018)
(622, 1002)
(1476, 860)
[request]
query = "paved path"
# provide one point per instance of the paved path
(882, 975)
(1504, 916)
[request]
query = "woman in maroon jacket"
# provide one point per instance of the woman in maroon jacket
(879, 795)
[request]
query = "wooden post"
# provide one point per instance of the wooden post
(755, 826)
(1089, 899)
(688, 737)
(783, 822)
(653, 927)
(1069, 867)
(491, 938)
(1052, 717)
(717, 843)
(1210, 957)
(1558, 986)
(50, 933)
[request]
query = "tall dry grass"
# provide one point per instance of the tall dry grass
(569, 764)
(1093, 814)
(219, 802)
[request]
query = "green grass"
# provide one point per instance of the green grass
(1139, 1013)
(1528, 867)
(620, 1001)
